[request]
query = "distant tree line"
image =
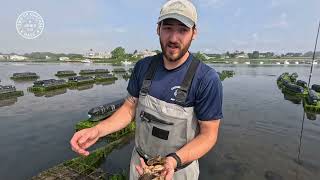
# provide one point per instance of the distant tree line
(52, 56)
(120, 53)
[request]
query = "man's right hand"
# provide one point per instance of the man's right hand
(83, 139)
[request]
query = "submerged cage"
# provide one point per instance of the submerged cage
(66, 73)
(302, 83)
(80, 78)
(25, 75)
(100, 112)
(7, 89)
(86, 167)
(87, 71)
(97, 71)
(119, 70)
(316, 87)
(313, 98)
(293, 77)
(294, 88)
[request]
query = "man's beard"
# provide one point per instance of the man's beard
(181, 53)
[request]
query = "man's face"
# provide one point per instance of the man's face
(175, 38)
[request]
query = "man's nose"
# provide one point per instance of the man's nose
(173, 36)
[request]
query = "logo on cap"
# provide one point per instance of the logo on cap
(178, 6)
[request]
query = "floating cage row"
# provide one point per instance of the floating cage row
(298, 89)
(51, 84)
(67, 73)
(225, 74)
(7, 92)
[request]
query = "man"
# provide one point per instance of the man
(175, 100)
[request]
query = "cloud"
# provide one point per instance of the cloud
(211, 3)
(239, 42)
(119, 30)
(207, 50)
(255, 36)
(282, 22)
(237, 12)
(275, 3)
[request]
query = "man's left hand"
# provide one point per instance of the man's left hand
(168, 171)
(169, 167)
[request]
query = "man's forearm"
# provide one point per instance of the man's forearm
(119, 120)
(200, 145)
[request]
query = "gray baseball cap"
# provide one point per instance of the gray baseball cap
(182, 10)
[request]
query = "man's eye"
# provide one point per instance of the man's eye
(183, 30)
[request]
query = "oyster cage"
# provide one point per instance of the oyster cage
(82, 167)
(71, 173)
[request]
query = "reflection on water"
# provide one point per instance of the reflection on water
(82, 87)
(259, 136)
(293, 99)
(311, 116)
(51, 93)
(105, 83)
(8, 102)
(299, 100)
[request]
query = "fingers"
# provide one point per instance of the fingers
(74, 142)
(143, 164)
(88, 143)
(82, 140)
(78, 147)
(168, 171)
(169, 174)
(140, 167)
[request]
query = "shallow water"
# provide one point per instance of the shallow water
(259, 136)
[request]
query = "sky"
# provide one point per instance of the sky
(76, 26)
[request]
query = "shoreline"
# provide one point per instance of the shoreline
(232, 62)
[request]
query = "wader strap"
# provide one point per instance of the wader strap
(146, 84)
(182, 92)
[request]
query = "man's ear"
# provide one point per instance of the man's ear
(195, 33)
(158, 30)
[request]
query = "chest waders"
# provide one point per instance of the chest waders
(163, 128)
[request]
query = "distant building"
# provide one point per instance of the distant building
(89, 54)
(291, 54)
(262, 55)
(242, 55)
(63, 59)
(17, 57)
(224, 56)
(97, 55)
(144, 53)
(2, 57)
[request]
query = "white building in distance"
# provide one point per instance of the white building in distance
(144, 53)
(17, 58)
(2, 57)
(64, 59)
(97, 55)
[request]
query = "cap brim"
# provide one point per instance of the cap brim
(186, 21)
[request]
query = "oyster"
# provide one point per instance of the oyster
(153, 169)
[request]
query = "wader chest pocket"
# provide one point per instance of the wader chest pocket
(156, 131)
(151, 118)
